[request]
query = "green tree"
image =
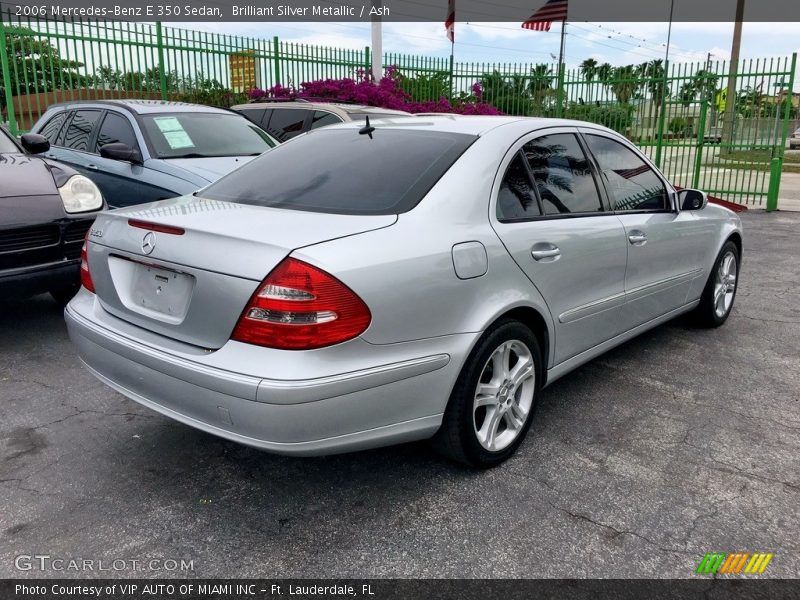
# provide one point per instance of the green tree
(589, 69)
(625, 83)
(36, 66)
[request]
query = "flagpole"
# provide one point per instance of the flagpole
(560, 78)
(452, 53)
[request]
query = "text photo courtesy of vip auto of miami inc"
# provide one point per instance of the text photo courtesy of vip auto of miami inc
(399, 299)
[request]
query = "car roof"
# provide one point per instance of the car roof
(142, 107)
(467, 124)
(311, 105)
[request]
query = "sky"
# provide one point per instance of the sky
(616, 43)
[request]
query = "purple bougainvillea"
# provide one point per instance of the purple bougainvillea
(388, 93)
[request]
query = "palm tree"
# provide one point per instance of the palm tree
(656, 84)
(541, 83)
(589, 68)
(625, 83)
(605, 73)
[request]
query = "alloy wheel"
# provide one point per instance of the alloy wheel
(504, 395)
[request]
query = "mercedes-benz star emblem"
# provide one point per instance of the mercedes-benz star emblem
(149, 243)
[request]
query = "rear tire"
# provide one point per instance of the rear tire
(720, 291)
(492, 404)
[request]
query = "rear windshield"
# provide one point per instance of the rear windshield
(341, 171)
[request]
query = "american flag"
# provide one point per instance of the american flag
(553, 10)
(631, 173)
(450, 23)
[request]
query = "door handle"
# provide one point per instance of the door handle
(637, 238)
(544, 253)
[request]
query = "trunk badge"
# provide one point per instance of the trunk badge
(149, 242)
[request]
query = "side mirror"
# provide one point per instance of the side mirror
(35, 143)
(692, 199)
(120, 151)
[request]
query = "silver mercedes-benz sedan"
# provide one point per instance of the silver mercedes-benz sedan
(364, 285)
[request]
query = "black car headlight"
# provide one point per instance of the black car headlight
(80, 194)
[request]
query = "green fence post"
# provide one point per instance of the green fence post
(276, 59)
(367, 60)
(698, 157)
(161, 66)
(776, 165)
(560, 94)
(662, 116)
(12, 119)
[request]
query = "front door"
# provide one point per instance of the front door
(665, 246)
(550, 217)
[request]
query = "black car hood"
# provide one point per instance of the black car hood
(24, 175)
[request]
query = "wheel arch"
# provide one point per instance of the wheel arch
(535, 321)
(736, 238)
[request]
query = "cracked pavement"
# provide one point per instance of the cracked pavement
(678, 443)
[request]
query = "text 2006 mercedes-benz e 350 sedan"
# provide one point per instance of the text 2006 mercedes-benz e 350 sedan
(418, 277)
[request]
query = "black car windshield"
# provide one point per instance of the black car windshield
(6, 145)
(201, 135)
(342, 171)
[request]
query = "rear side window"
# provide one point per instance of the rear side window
(631, 184)
(562, 174)
(80, 128)
(516, 198)
(340, 171)
(53, 126)
(286, 123)
(116, 129)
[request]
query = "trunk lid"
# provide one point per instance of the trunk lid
(193, 287)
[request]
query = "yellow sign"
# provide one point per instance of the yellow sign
(242, 66)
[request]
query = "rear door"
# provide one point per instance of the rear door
(665, 246)
(551, 217)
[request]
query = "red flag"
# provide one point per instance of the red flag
(553, 10)
(450, 22)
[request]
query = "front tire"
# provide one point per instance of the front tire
(492, 403)
(720, 291)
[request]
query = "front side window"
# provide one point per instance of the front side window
(286, 123)
(203, 135)
(516, 198)
(80, 129)
(116, 129)
(6, 145)
(340, 171)
(53, 126)
(562, 175)
(631, 184)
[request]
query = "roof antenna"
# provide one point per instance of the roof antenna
(367, 129)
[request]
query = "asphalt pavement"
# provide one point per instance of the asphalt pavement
(678, 443)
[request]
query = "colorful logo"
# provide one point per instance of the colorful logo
(738, 562)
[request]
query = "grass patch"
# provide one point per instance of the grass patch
(788, 167)
(759, 156)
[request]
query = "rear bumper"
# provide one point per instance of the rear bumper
(389, 403)
(36, 279)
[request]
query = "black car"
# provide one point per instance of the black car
(46, 208)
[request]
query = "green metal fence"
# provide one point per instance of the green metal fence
(679, 114)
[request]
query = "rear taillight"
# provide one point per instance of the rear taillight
(86, 276)
(300, 307)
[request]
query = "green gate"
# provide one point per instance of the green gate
(680, 115)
